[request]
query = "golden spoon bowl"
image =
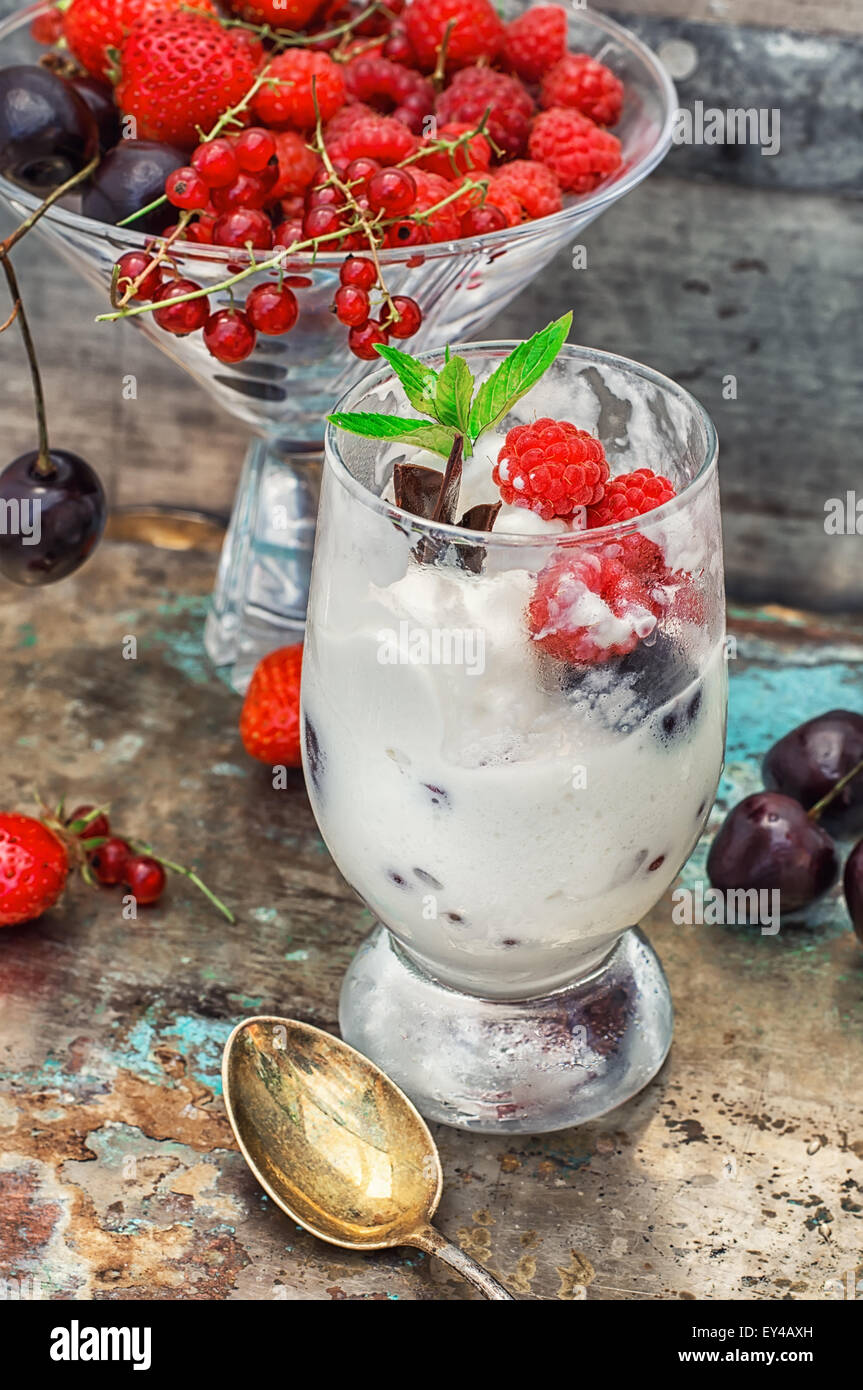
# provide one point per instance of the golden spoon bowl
(335, 1143)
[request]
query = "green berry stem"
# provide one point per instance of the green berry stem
(815, 811)
(290, 38)
(141, 848)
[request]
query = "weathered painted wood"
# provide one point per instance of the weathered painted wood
(738, 1174)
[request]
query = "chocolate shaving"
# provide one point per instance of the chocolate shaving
(416, 489)
(448, 500)
(479, 518)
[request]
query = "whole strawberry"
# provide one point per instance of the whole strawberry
(33, 868)
(270, 721)
(180, 72)
(92, 27)
(279, 14)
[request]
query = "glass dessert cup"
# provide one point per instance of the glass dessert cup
(508, 816)
(284, 390)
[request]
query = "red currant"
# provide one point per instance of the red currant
(406, 233)
(409, 317)
(216, 162)
(94, 829)
(229, 335)
(201, 230)
(478, 221)
(352, 306)
(272, 310)
(130, 266)
(254, 149)
(328, 197)
(109, 861)
(244, 226)
(287, 233)
(362, 341)
(181, 319)
(320, 222)
(392, 192)
(145, 879)
(360, 272)
(247, 191)
(359, 171)
(186, 189)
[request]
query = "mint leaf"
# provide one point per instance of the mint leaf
(418, 380)
(454, 392)
(423, 433)
(516, 375)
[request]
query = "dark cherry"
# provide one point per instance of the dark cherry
(94, 829)
(108, 862)
(131, 176)
(854, 887)
(768, 841)
(100, 99)
(60, 517)
(47, 130)
(807, 762)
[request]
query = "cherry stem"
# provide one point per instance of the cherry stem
(140, 847)
(44, 466)
(815, 811)
(30, 222)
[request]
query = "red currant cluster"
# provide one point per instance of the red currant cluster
(114, 861)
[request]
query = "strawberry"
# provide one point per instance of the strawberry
(270, 721)
(180, 72)
(92, 27)
(33, 868)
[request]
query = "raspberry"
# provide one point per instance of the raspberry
(629, 495)
(475, 91)
(477, 31)
(551, 467)
(579, 152)
(445, 224)
(368, 135)
(297, 165)
(286, 99)
(591, 605)
(471, 156)
(580, 82)
(535, 41)
(391, 89)
(535, 186)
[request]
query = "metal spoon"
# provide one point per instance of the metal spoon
(335, 1143)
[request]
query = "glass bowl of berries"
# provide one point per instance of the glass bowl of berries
(274, 205)
(513, 706)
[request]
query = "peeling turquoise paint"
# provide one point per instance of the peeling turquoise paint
(228, 770)
(26, 635)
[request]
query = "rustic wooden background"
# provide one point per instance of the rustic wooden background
(726, 262)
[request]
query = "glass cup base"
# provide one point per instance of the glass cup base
(516, 1066)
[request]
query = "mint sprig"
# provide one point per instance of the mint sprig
(438, 438)
(516, 374)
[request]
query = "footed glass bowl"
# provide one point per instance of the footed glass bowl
(285, 389)
(509, 809)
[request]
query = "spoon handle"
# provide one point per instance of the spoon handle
(430, 1240)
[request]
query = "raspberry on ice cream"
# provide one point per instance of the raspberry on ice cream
(535, 41)
(579, 152)
(630, 495)
(551, 467)
(591, 605)
(287, 97)
(476, 32)
(580, 82)
(477, 92)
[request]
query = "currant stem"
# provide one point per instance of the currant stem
(815, 811)
(284, 38)
(44, 466)
(140, 847)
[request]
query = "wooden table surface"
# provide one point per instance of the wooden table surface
(738, 1173)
